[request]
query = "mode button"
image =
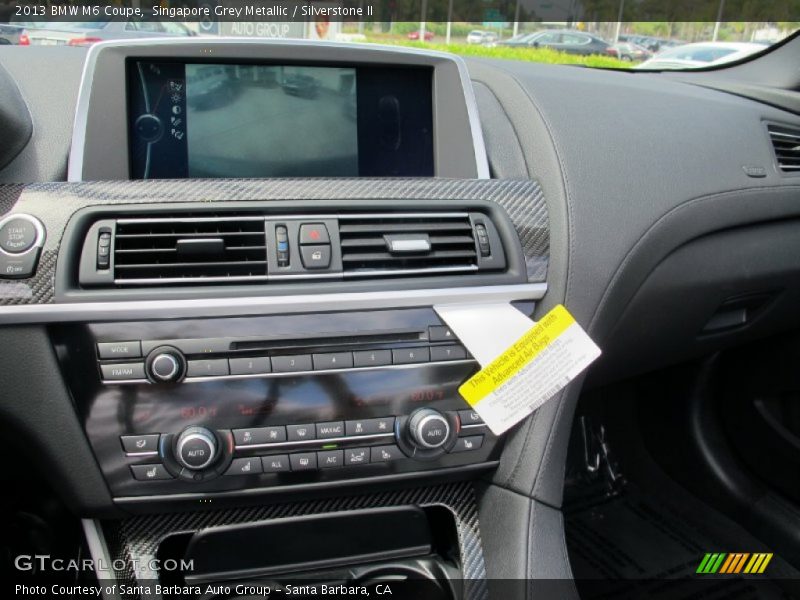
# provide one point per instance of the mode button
(119, 349)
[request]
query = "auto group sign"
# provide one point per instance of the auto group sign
(322, 28)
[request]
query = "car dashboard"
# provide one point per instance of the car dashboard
(204, 335)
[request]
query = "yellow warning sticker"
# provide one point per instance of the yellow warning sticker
(512, 361)
(550, 354)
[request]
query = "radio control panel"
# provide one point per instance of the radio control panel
(172, 361)
(199, 406)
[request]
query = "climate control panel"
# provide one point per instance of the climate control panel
(199, 454)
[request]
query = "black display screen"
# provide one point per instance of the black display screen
(193, 120)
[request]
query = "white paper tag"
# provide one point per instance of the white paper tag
(524, 364)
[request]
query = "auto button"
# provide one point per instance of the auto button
(196, 448)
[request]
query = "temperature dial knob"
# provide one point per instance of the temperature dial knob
(428, 428)
(196, 448)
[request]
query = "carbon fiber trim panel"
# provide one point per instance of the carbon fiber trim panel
(137, 539)
(55, 203)
(9, 194)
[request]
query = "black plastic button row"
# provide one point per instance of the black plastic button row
(315, 246)
(277, 364)
(312, 461)
(313, 431)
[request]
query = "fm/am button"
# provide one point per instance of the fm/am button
(123, 371)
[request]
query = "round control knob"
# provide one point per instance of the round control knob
(165, 365)
(428, 428)
(196, 448)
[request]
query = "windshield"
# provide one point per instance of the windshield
(615, 45)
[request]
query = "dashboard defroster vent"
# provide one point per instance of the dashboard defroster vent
(401, 243)
(210, 249)
(786, 143)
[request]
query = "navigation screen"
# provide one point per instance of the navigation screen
(243, 120)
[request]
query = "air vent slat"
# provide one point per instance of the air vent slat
(202, 248)
(382, 245)
(786, 144)
(195, 265)
(210, 231)
(434, 240)
(383, 256)
(388, 227)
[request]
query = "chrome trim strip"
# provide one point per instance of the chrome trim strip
(79, 124)
(75, 165)
(140, 454)
(296, 217)
(459, 269)
(299, 276)
(295, 373)
(253, 493)
(293, 444)
(168, 280)
(264, 305)
(98, 549)
(474, 426)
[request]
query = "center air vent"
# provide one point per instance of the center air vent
(786, 143)
(401, 243)
(174, 250)
(220, 249)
